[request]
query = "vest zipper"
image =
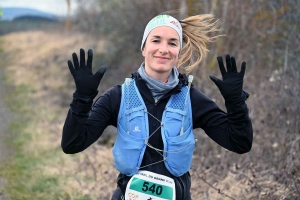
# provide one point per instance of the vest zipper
(156, 101)
(183, 187)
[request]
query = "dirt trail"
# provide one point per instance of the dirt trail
(5, 117)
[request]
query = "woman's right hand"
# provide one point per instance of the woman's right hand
(86, 82)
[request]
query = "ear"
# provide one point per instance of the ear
(143, 52)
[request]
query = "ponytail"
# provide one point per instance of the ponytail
(196, 34)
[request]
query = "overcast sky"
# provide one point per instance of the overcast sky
(57, 7)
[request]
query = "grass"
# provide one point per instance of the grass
(25, 178)
(25, 170)
(40, 91)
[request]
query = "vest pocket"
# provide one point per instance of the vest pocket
(173, 124)
(136, 125)
(179, 152)
(127, 152)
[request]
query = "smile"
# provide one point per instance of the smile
(159, 57)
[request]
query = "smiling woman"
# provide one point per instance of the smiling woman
(161, 52)
(156, 110)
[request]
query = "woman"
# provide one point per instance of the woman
(157, 108)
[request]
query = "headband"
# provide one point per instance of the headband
(162, 20)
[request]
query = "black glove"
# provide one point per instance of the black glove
(86, 82)
(231, 87)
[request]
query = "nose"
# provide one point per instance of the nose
(163, 48)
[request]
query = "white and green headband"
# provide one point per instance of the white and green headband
(162, 20)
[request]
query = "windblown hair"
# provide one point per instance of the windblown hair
(197, 31)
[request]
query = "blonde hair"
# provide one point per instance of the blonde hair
(196, 34)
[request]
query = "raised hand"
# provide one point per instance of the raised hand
(231, 87)
(86, 82)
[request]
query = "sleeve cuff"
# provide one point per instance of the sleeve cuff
(237, 105)
(84, 98)
(81, 104)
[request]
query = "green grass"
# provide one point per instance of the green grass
(25, 169)
(25, 178)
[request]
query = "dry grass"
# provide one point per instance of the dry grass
(38, 60)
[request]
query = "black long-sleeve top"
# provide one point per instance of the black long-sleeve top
(86, 122)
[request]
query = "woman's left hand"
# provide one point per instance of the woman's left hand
(231, 87)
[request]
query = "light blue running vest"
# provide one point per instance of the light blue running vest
(133, 132)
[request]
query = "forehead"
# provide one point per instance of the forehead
(164, 32)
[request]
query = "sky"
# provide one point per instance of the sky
(57, 7)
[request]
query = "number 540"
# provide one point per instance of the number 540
(153, 188)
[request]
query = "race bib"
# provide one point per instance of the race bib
(150, 186)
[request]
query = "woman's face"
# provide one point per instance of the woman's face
(161, 52)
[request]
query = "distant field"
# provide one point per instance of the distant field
(26, 24)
